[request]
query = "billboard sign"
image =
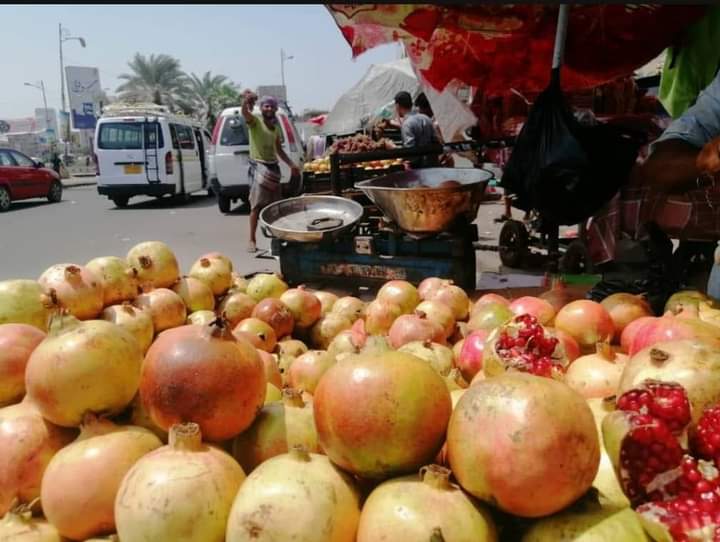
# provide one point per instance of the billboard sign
(18, 126)
(84, 93)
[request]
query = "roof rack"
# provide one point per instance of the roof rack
(145, 110)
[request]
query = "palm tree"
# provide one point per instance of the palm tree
(212, 93)
(157, 79)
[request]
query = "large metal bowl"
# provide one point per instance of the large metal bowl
(310, 218)
(428, 200)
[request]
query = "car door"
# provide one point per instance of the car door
(23, 182)
(38, 184)
(10, 174)
(192, 170)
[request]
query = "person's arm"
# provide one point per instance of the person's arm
(249, 98)
(294, 169)
(671, 167)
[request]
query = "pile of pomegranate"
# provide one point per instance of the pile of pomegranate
(139, 403)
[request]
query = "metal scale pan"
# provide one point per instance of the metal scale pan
(309, 219)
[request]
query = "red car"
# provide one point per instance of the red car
(21, 177)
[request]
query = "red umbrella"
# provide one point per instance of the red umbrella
(499, 47)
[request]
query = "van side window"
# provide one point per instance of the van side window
(128, 135)
(173, 136)
(185, 137)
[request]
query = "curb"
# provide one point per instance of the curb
(80, 183)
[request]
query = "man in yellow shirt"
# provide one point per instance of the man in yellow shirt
(265, 149)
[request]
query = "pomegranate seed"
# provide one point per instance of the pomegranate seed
(687, 519)
(667, 401)
(705, 440)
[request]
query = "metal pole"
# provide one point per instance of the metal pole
(560, 35)
(47, 118)
(62, 90)
(282, 67)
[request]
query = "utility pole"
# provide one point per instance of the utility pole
(41, 88)
(64, 113)
(283, 58)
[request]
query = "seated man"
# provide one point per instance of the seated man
(417, 130)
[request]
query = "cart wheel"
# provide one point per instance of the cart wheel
(513, 244)
(576, 259)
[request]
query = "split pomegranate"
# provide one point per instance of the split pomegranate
(430, 504)
(587, 322)
(265, 285)
(625, 309)
(119, 282)
(274, 313)
(524, 443)
(166, 308)
(137, 322)
(327, 300)
(326, 328)
(400, 292)
(19, 526)
(439, 357)
(196, 295)
(23, 302)
(28, 442)
(380, 315)
(167, 494)
(489, 316)
(542, 310)
(17, 341)
(307, 370)
(236, 306)
(381, 414)
(203, 375)
(415, 327)
(524, 345)
(295, 496)
(572, 348)
(277, 428)
(683, 519)
(454, 298)
(705, 440)
(439, 312)
(429, 286)
(260, 334)
(81, 481)
(91, 366)
(201, 318)
(303, 305)
(671, 328)
(596, 375)
(75, 288)
(349, 307)
(666, 401)
(156, 264)
(558, 295)
(628, 334)
(215, 271)
(470, 359)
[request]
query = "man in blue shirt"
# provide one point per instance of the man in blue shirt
(417, 130)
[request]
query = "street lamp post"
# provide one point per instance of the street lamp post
(283, 58)
(41, 87)
(62, 39)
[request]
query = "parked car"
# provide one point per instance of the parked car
(21, 177)
(230, 151)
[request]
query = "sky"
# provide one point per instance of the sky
(242, 42)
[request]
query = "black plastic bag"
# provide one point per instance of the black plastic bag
(564, 170)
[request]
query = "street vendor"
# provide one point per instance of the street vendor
(422, 104)
(265, 149)
(417, 130)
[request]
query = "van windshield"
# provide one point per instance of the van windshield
(128, 135)
(234, 132)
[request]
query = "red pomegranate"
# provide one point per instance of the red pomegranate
(166, 308)
(487, 299)
(275, 313)
(588, 323)
(400, 292)
(439, 312)
(260, 334)
(470, 360)
(381, 414)
(380, 315)
(203, 375)
(628, 335)
(17, 342)
(429, 286)
(671, 328)
(625, 309)
(507, 446)
(304, 306)
(455, 298)
(539, 308)
(596, 375)
(415, 327)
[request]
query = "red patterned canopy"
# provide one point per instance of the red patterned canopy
(499, 47)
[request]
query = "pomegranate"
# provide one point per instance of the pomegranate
(542, 310)
(19, 526)
(306, 371)
(201, 318)
(275, 502)
(325, 329)
(203, 375)
(260, 334)
(277, 428)
(558, 295)
(705, 439)
(91, 366)
(692, 364)
(303, 305)
(381, 414)
(236, 306)
(487, 299)
(457, 348)
(470, 359)
(665, 400)
(291, 347)
(592, 522)
(400, 292)
(196, 295)
(625, 309)
(572, 348)
(669, 328)
(685, 298)
(432, 508)
(429, 286)
(415, 327)
(380, 315)
(272, 371)
(137, 322)
(215, 271)
(438, 312)
(489, 316)
(454, 298)
(598, 374)
(274, 313)
(439, 357)
(327, 300)
(684, 519)
(119, 282)
(345, 343)
(524, 345)
(166, 308)
(28, 442)
(156, 264)
(75, 288)
(628, 334)
(23, 302)
(166, 495)
(506, 446)
(81, 481)
(239, 284)
(587, 322)
(17, 341)
(349, 307)
(265, 285)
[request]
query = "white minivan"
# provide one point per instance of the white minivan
(143, 149)
(230, 152)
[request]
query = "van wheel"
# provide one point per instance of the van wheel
(120, 202)
(224, 204)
